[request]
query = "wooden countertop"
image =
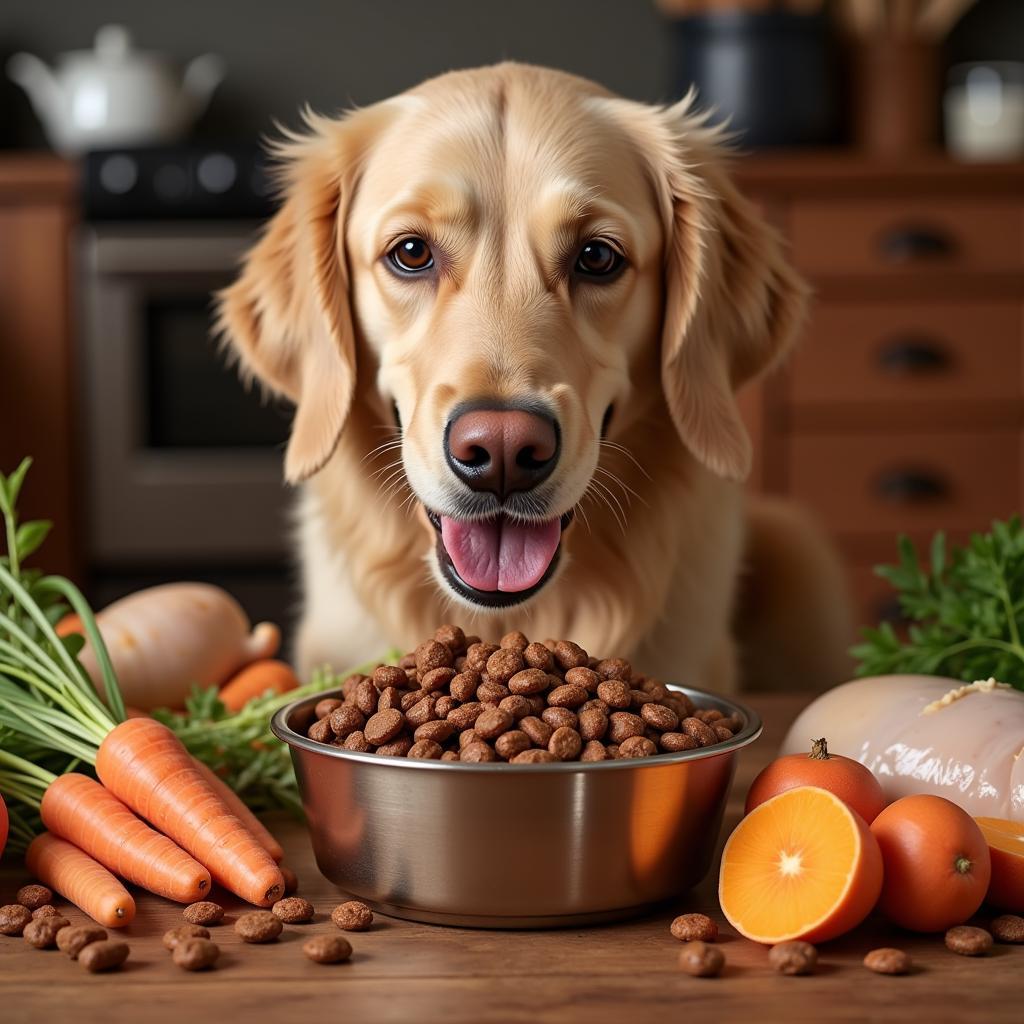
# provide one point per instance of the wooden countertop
(405, 972)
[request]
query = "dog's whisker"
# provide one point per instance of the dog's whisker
(621, 515)
(391, 467)
(602, 498)
(388, 446)
(622, 483)
(623, 450)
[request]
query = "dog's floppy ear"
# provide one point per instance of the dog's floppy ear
(288, 316)
(733, 305)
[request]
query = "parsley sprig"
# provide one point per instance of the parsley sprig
(965, 610)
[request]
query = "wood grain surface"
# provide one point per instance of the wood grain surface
(407, 973)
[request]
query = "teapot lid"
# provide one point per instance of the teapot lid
(113, 43)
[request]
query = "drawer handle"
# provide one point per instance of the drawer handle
(904, 486)
(907, 244)
(912, 355)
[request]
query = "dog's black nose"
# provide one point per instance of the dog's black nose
(502, 450)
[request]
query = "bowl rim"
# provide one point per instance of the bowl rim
(751, 730)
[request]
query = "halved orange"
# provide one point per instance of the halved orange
(1006, 844)
(802, 865)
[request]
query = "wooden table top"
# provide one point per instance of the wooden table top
(407, 972)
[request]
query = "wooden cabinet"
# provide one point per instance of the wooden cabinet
(37, 393)
(903, 409)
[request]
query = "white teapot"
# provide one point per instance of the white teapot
(115, 95)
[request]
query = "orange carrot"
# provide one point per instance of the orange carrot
(144, 764)
(237, 807)
(80, 810)
(78, 878)
(69, 624)
(254, 681)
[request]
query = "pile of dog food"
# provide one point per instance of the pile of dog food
(456, 698)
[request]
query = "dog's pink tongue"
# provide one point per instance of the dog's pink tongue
(500, 555)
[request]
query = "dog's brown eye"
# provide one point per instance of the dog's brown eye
(412, 255)
(598, 259)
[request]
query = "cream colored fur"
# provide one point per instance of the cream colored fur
(506, 169)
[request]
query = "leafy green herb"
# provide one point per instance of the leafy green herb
(965, 610)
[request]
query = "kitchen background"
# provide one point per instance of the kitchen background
(885, 137)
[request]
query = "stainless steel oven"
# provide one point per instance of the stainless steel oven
(183, 465)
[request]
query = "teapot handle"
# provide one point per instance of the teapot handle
(202, 76)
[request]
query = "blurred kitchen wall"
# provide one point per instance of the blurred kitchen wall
(281, 55)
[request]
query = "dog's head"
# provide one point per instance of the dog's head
(521, 266)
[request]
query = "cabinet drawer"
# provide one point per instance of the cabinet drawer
(909, 352)
(906, 236)
(891, 482)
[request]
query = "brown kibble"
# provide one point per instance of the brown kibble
(502, 665)
(74, 938)
(623, 724)
(353, 916)
(452, 637)
(390, 697)
(430, 655)
(594, 750)
(537, 729)
(793, 958)
(390, 676)
(396, 748)
(673, 742)
(613, 750)
(321, 731)
(538, 656)
(46, 910)
(659, 717)
(33, 896)
(585, 677)
(493, 722)
(529, 681)
(593, 724)
(1008, 928)
(693, 928)
(195, 954)
(465, 715)
(184, 931)
(967, 941)
(107, 955)
(41, 932)
(722, 732)
(436, 679)
(614, 668)
(384, 726)
(439, 731)
(515, 641)
(697, 730)
(534, 756)
(463, 686)
(422, 711)
(293, 910)
(13, 919)
(615, 693)
(468, 736)
(888, 961)
(327, 949)
(478, 654)
(345, 719)
(365, 699)
(565, 743)
(701, 959)
(444, 705)
(510, 743)
(560, 718)
(204, 913)
(569, 695)
(637, 746)
(425, 750)
(516, 705)
(450, 755)
(325, 707)
(258, 926)
(569, 655)
(357, 741)
(409, 699)
(491, 693)
(477, 753)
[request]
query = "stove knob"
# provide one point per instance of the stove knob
(217, 173)
(119, 174)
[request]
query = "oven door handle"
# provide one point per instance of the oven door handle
(169, 254)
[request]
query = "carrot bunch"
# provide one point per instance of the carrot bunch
(48, 703)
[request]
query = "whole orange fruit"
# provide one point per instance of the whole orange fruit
(937, 863)
(847, 779)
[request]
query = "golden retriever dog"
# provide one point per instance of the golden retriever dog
(512, 311)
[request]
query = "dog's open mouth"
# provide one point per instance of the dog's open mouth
(497, 562)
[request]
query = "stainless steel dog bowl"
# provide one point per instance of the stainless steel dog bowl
(513, 846)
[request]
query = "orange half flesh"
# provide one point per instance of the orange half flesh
(1006, 844)
(799, 866)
